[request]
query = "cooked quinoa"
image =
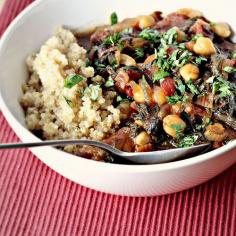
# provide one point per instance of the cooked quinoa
(58, 112)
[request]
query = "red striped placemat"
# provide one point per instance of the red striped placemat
(34, 200)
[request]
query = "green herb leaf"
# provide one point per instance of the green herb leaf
(183, 58)
(139, 53)
(120, 46)
(160, 74)
(114, 18)
(224, 87)
(187, 141)
(230, 69)
(178, 129)
(151, 35)
(112, 39)
(109, 82)
(170, 36)
(72, 80)
(174, 99)
(180, 86)
(199, 60)
(192, 88)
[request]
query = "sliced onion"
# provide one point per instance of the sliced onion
(150, 59)
(127, 60)
(147, 91)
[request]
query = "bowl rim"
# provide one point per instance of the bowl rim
(113, 167)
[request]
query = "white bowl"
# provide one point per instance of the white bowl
(32, 28)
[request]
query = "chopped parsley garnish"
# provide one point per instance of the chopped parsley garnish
(112, 39)
(176, 98)
(68, 101)
(178, 129)
(183, 58)
(120, 46)
(199, 60)
(230, 69)
(109, 82)
(151, 35)
(139, 53)
(187, 141)
(192, 88)
(72, 80)
(223, 87)
(180, 86)
(160, 74)
(170, 36)
(114, 18)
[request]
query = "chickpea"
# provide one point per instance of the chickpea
(221, 29)
(146, 21)
(189, 72)
(159, 96)
(142, 139)
(191, 13)
(204, 46)
(180, 35)
(215, 132)
(173, 125)
(127, 60)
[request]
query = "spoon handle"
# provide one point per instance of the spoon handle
(61, 143)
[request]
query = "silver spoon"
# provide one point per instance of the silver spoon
(155, 157)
